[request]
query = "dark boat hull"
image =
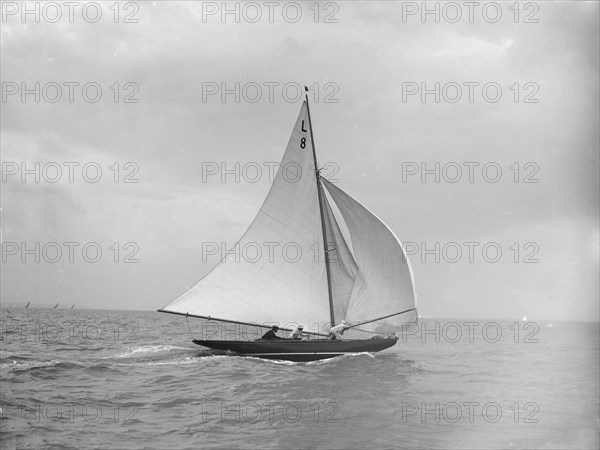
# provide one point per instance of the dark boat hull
(297, 350)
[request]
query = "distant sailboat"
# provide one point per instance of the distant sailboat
(55, 306)
(27, 305)
(524, 319)
(73, 306)
(360, 272)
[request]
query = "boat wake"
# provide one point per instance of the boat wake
(343, 357)
(159, 354)
(145, 350)
(222, 354)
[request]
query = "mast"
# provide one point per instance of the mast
(320, 196)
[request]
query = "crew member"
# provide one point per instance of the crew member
(337, 331)
(271, 334)
(297, 333)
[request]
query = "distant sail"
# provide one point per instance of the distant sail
(524, 319)
(55, 306)
(27, 305)
(73, 306)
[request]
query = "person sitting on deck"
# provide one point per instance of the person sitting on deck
(269, 335)
(297, 333)
(337, 331)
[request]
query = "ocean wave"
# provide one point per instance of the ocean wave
(170, 363)
(45, 370)
(15, 359)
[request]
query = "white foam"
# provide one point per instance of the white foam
(148, 349)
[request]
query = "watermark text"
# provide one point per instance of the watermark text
(69, 252)
(267, 91)
(71, 12)
(453, 412)
(69, 172)
(69, 92)
(469, 92)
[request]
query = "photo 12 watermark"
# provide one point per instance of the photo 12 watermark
(489, 172)
(66, 332)
(269, 412)
(469, 92)
(70, 12)
(70, 92)
(453, 332)
(270, 252)
(470, 12)
(213, 330)
(268, 92)
(254, 172)
(270, 12)
(472, 252)
(69, 172)
(30, 412)
(25, 252)
(469, 411)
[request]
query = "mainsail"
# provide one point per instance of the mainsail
(274, 274)
(280, 271)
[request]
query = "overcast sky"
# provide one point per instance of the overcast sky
(363, 61)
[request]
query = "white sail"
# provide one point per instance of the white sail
(344, 274)
(382, 274)
(289, 286)
(283, 278)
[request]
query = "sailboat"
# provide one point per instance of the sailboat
(332, 260)
(72, 306)
(524, 319)
(55, 306)
(27, 305)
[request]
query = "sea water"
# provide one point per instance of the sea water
(123, 379)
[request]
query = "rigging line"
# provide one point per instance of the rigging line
(366, 331)
(235, 321)
(384, 317)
